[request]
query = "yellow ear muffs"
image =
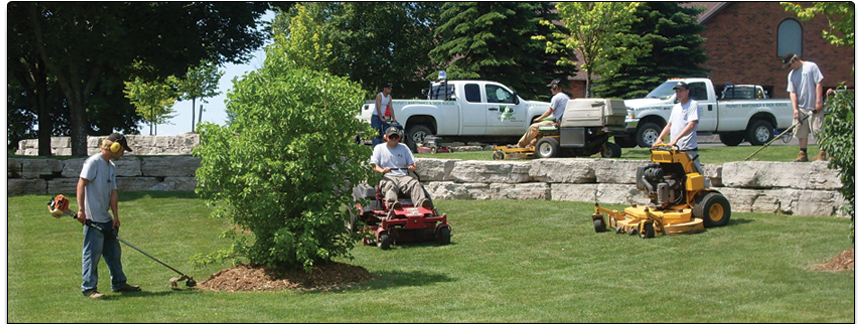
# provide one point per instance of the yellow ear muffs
(116, 147)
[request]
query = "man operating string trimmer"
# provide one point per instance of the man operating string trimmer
(96, 192)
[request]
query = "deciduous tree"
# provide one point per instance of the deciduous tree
(201, 81)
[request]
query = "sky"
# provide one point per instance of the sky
(214, 109)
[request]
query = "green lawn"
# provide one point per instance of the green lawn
(707, 154)
(509, 261)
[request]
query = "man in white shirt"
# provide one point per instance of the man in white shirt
(558, 106)
(394, 160)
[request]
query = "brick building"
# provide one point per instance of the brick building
(745, 40)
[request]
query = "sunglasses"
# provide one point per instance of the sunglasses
(393, 136)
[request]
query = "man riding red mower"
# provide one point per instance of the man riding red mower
(399, 209)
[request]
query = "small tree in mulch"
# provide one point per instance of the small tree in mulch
(284, 167)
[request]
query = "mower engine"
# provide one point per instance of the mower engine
(663, 189)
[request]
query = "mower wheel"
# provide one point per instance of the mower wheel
(611, 150)
(385, 241)
(633, 231)
(547, 147)
(713, 208)
(444, 236)
(598, 225)
(649, 231)
(498, 155)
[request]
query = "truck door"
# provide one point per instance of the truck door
(706, 98)
(473, 111)
(504, 116)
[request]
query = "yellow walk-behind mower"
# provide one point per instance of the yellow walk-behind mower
(679, 200)
(584, 130)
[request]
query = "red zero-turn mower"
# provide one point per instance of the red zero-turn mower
(383, 225)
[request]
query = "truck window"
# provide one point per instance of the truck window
(497, 94)
(698, 91)
(471, 93)
(663, 91)
(437, 92)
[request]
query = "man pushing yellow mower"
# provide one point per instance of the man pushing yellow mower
(679, 200)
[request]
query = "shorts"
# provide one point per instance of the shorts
(813, 125)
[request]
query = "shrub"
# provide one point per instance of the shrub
(837, 139)
(284, 166)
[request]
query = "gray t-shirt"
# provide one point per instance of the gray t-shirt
(103, 178)
(681, 115)
(803, 81)
(394, 158)
(558, 105)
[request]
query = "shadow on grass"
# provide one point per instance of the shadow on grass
(738, 221)
(397, 278)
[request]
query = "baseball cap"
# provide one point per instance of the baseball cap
(394, 130)
(387, 85)
(553, 83)
(787, 59)
(681, 85)
(119, 138)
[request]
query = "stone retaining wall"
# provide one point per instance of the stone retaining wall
(763, 187)
(140, 144)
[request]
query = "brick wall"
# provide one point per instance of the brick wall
(742, 41)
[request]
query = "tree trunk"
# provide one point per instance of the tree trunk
(200, 113)
(193, 115)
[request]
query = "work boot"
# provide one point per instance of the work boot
(93, 294)
(127, 288)
(396, 205)
(425, 203)
(802, 157)
(822, 156)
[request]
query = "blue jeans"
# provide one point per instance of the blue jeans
(380, 127)
(95, 247)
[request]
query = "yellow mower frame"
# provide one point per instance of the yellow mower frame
(701, 207)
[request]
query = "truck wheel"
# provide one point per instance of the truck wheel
(612, 151)
(731, 139)
(713, 208)
(416, 134)
(547, 147)
(647, 134)
(759, 132)
(624, 141)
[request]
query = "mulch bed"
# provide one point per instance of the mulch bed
(244, 277)
(843, 261)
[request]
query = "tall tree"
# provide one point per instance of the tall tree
(495, 41)
(672, 34)
(597, 31)
(299, 40)
(201, 81)
(88, 47)
(153, 100)
(377, 42)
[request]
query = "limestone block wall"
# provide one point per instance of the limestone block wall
(764, 187)
(50, 176)
(140, 144)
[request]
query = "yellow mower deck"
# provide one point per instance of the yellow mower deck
(505, 153)
(634, 220)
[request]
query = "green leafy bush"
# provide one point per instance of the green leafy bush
(284, 167)
(837, 139)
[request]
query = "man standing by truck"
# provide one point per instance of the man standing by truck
(804, 86)
(683, 126)
(558, 105)
(383, 112)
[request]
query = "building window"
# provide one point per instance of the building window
(789, 38)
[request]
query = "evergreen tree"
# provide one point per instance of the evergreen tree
(673, 31)
(493, 41)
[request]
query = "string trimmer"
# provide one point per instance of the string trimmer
(59, 207)
(780, 135)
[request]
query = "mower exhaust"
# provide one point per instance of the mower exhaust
(59, 207)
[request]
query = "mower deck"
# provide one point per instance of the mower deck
(634, 220)
(506, 153)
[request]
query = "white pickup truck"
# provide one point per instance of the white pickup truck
(735, 120)
(464, 109)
